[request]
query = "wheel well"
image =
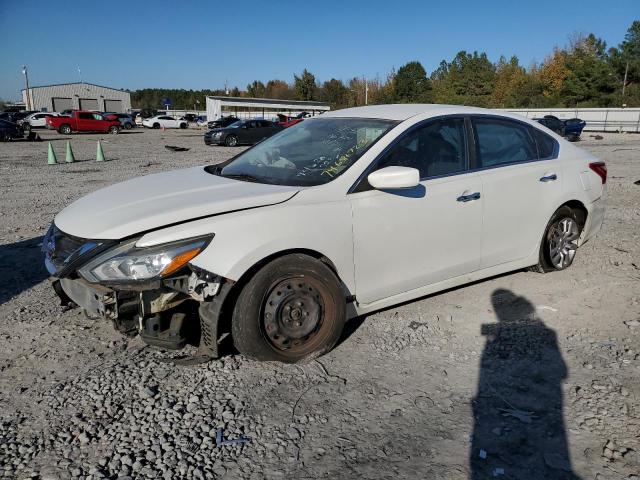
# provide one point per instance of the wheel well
(578, 207)
(226, 312)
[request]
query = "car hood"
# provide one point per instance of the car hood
(154, 201)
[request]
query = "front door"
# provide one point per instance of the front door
(407, 239)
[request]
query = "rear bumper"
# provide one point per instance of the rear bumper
(594, 219)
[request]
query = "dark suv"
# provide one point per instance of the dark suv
(222, 122)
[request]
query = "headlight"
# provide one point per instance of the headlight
(217, 135)
(127, 263)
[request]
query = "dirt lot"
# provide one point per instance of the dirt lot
(522, 376)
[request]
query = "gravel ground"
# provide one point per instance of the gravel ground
(521, 376)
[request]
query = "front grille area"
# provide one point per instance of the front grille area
(61, 251)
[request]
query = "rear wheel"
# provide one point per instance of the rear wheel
(114, 129)
(231, 141)
(65, 129)
(291, 310)
(560, 241)
(128, 126)
(183, 126)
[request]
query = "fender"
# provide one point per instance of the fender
(244, 238)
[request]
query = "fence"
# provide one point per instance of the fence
(598, 119)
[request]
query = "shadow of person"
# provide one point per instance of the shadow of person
(21, 267)
(519, 430)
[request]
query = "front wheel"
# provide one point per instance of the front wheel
(231, 141)
(114, 130)
(156, 126)
(560, 241)
(183, 126)
(128, 126)
(291, 310)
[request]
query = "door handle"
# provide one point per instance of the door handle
(467, 197)
(549, 177)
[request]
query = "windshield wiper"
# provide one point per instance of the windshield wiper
(243, 177)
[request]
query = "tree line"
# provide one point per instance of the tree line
(585, 73)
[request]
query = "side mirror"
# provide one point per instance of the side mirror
(392, 178)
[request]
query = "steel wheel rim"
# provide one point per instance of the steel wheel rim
(563, 242)
(293, 315)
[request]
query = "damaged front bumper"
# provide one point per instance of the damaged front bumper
(166, 312)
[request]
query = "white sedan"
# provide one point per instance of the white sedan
(37, 120)
(338, 216)
(164, 121)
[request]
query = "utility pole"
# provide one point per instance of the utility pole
(26, 80)
(366, 90)
(624, 82)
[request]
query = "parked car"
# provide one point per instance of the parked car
(571, 129)
(82, 121)
(201, 121)
(165, 121)
(15, 116)
(286, 121)
(242, 132)
(37, 120)
(342, 215)
(190, 117)
(10, 131)
(125, 120)
(222, 122)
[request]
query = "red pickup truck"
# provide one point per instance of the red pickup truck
(80, 121)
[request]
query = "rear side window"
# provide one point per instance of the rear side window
(500, 142)
(436, 149)
(546, 144)
(85, 116)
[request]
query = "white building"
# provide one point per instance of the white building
(268, 108)
(76, 96)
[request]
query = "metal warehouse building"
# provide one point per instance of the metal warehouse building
(76, 96)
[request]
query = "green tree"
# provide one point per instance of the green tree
(256, 89)
(334, 93)
(510, 84)
(468, 80)
(305, 86)
(625, 59)
(412, 85)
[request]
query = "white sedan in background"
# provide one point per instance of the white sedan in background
(37, 120)
(165, 121)
(338, 216)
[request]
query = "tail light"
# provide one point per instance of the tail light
(601, 169)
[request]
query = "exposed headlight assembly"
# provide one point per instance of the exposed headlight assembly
(126, 263)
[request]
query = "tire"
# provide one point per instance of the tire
(114, 129)
(183, 126)
(128, 126)
(156, 126)
(560, 241)
(26, 127)
(65, 129)
(291, 310)
(231, 141)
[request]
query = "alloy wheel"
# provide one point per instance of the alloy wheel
(563, 242)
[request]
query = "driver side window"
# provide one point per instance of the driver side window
(435, 149)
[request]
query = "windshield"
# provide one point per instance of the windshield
(236, 124)
(310, 153)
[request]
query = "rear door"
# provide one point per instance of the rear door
(520, 189)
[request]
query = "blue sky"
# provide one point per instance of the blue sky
(200, 44)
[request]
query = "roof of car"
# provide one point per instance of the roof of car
(405, 110)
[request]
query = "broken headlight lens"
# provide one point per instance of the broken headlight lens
(127, 263)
